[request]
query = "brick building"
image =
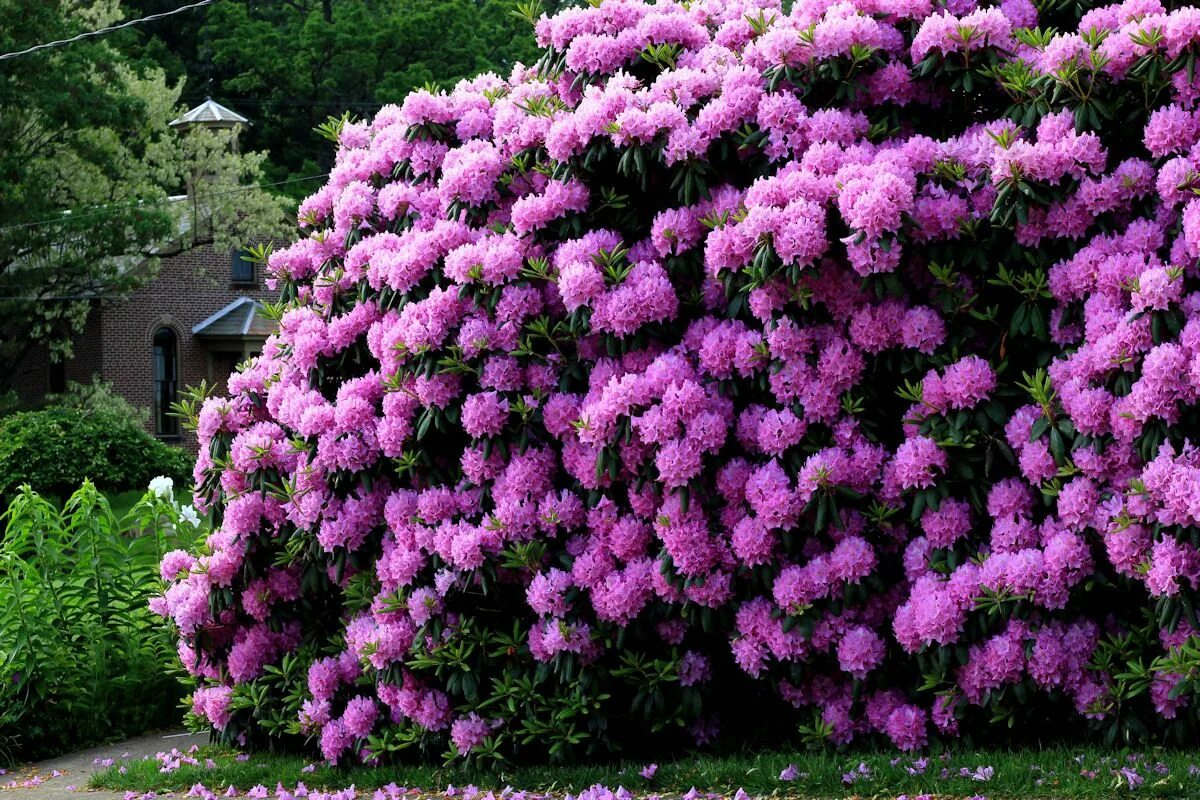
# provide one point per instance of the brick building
(195, 320)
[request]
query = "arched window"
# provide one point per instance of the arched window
(166, 381)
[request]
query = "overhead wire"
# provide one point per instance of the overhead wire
(102, 31)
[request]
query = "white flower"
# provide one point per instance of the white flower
(163, 486)
(188, 514)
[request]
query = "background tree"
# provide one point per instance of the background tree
(291, 65)
(86, 127)
(89, 168)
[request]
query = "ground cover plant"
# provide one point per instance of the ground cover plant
(732, 374)
(55, 449)
(1061, 773)
(82, 659)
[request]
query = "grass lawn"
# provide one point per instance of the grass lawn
(1051, 773)
(122, 503)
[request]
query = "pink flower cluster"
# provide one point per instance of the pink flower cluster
(653, 350)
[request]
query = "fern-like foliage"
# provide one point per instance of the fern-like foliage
(81, 655)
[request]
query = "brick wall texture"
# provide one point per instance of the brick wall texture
(117, 344)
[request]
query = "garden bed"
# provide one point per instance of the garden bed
(1060, 772)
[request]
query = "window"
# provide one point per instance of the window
(166, 381)
(58, 377)
(241, 270)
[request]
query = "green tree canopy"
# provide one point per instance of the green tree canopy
(291, 65)
(89, 169)
(91, 163)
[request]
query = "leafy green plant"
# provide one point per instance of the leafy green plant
(96, 397)
(56, 449)
(81, 658)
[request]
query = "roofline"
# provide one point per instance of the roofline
(217, 315)
(230, 339)
(232, 120)
(250, 318)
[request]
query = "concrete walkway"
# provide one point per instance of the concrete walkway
(75, 768)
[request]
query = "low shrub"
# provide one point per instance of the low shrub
(56, 449)
(816, 371)
(96, 397)
(10, 403)
(82, 659)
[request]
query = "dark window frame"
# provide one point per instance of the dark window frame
(241, 271)
(56, 377)
(166, 381)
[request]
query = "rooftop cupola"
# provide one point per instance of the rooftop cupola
(209, 114)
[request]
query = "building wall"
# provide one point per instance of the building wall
(33, 377)
(118, 342)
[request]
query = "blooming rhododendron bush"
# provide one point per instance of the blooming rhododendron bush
(827, 373)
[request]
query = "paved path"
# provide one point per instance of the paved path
(76, 768)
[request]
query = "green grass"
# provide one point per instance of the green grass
(1020, 774)
(122, 503)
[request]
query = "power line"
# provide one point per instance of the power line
(102, 31)
(69, 217)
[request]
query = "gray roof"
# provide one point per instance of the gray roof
(238, 320)
(212, 114)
